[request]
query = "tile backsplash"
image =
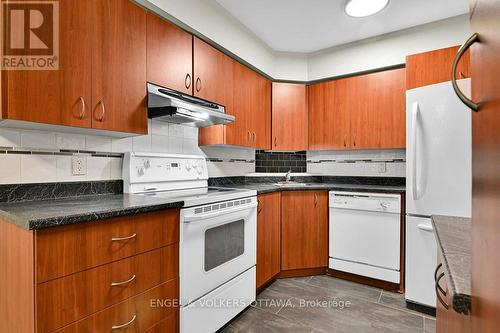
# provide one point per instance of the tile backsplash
(279, 162)
(28, 156)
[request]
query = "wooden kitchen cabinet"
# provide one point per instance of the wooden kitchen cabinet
(433, 67)
(289, 117)
(63, 96)
(268, 237)
(448, 320)
(304, 230)
(91, 276)
(119, 67)
(169, 55)
(251, 105)
(329, 116)
(377, 106)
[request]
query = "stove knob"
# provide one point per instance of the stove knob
(147, 164)
(188, 167)
(140, 171)
(195, 165)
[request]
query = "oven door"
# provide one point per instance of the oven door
(218, 242)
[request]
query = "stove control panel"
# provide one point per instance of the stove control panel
(140, 168)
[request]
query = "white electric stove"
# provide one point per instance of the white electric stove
(217, 238)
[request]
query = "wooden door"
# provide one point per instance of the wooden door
(304, 230)
(485, 69)
(289, 116)
(329, 115)
(261, 113)
(212, 70)
(63, 96)
(377, 105)
(238, 132)
(268, 237)
(433, 67)
(119, 66)
(169, 55)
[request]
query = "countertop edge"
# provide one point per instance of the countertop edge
(461, 302)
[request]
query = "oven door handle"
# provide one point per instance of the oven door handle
(198, 217)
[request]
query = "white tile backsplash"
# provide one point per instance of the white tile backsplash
(121, 145)
(38, 140)
(38, 168)
(70, 141)
(160, 143)
(141, 143)
(98, 143)
(10, 168)
(9, 138)
(98, 168)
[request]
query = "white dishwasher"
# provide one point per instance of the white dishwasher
(365, 234)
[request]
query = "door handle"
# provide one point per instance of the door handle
(103, 110)
(425, 227)
(187, 81)
(315, 199)
(259, 206)
(84, 107)
(275, 141)
(119, 327)
(415, 112)
(198, 84)
(467, 101)
(254, 136)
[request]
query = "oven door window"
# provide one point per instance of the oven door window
(224, 243)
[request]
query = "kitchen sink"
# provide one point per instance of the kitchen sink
(291, 184)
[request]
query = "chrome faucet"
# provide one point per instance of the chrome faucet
(288, 176)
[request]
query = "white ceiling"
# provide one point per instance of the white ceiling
(307, 26)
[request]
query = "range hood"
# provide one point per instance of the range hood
(174, 107)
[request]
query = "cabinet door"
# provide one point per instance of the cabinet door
(304, 229)
(329, 114)
(169, 55)
(119, 66)
(268, 237)
(238, 132)
(433, 67)
(377, 106)
(261, 113)
(289, 116)
(212, 70)
(63, 96)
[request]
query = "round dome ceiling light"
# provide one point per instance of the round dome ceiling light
(363, 8)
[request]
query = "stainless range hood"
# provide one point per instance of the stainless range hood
(174, 107)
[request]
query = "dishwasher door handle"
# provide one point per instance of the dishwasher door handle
(425, 227)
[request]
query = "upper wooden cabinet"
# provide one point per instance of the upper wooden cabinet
(64, 96)
(304, 229)
(169, 55)
(432, 67)
(289, 117)
(102, 72)
(268, 237)
(360, 112)
(251, 105)
(119, 67)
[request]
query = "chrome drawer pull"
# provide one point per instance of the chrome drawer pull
(118, 327)
(117, 284)
(118, 239)
(472, 39)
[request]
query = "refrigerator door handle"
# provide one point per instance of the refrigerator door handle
(415, 112)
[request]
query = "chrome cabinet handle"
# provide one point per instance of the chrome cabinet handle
(187, 81)
(118, 327)
(254, 136)
(198, 84)
(249, 136)
(259, 206)
(84, 107)
(117, 284)
(354, 141)
(345, 143)
(103, 110)
(472, 105)
(275, 141)
(315, 199)
(119, 239)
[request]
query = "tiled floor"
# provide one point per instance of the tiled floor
(347, 307)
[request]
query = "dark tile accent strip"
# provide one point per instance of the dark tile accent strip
(277, 162)
(383, 181)
(45, 191)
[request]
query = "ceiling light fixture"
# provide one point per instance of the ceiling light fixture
(363, 8)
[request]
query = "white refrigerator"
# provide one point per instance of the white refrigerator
(438, 177)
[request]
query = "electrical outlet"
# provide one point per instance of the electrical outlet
(382, 167)
(78, 166)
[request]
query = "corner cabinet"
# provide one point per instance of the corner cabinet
(268, 237)
(289, 117)
(102, 72)
(304, 230)
(360, 112)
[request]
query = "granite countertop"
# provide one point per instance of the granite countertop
(40, 214)
(262, 188)
(454, 237)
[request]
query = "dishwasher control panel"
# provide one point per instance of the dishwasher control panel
(376, 202)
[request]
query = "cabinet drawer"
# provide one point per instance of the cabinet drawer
(137, 311)
(70, 249)
(65, 300)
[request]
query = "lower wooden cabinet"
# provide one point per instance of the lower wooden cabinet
(304, 230)
(268, 237)
(448, 320)
(91, 277)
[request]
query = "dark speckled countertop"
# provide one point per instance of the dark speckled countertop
(33, 215)
(262, 188)
(454, 237)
